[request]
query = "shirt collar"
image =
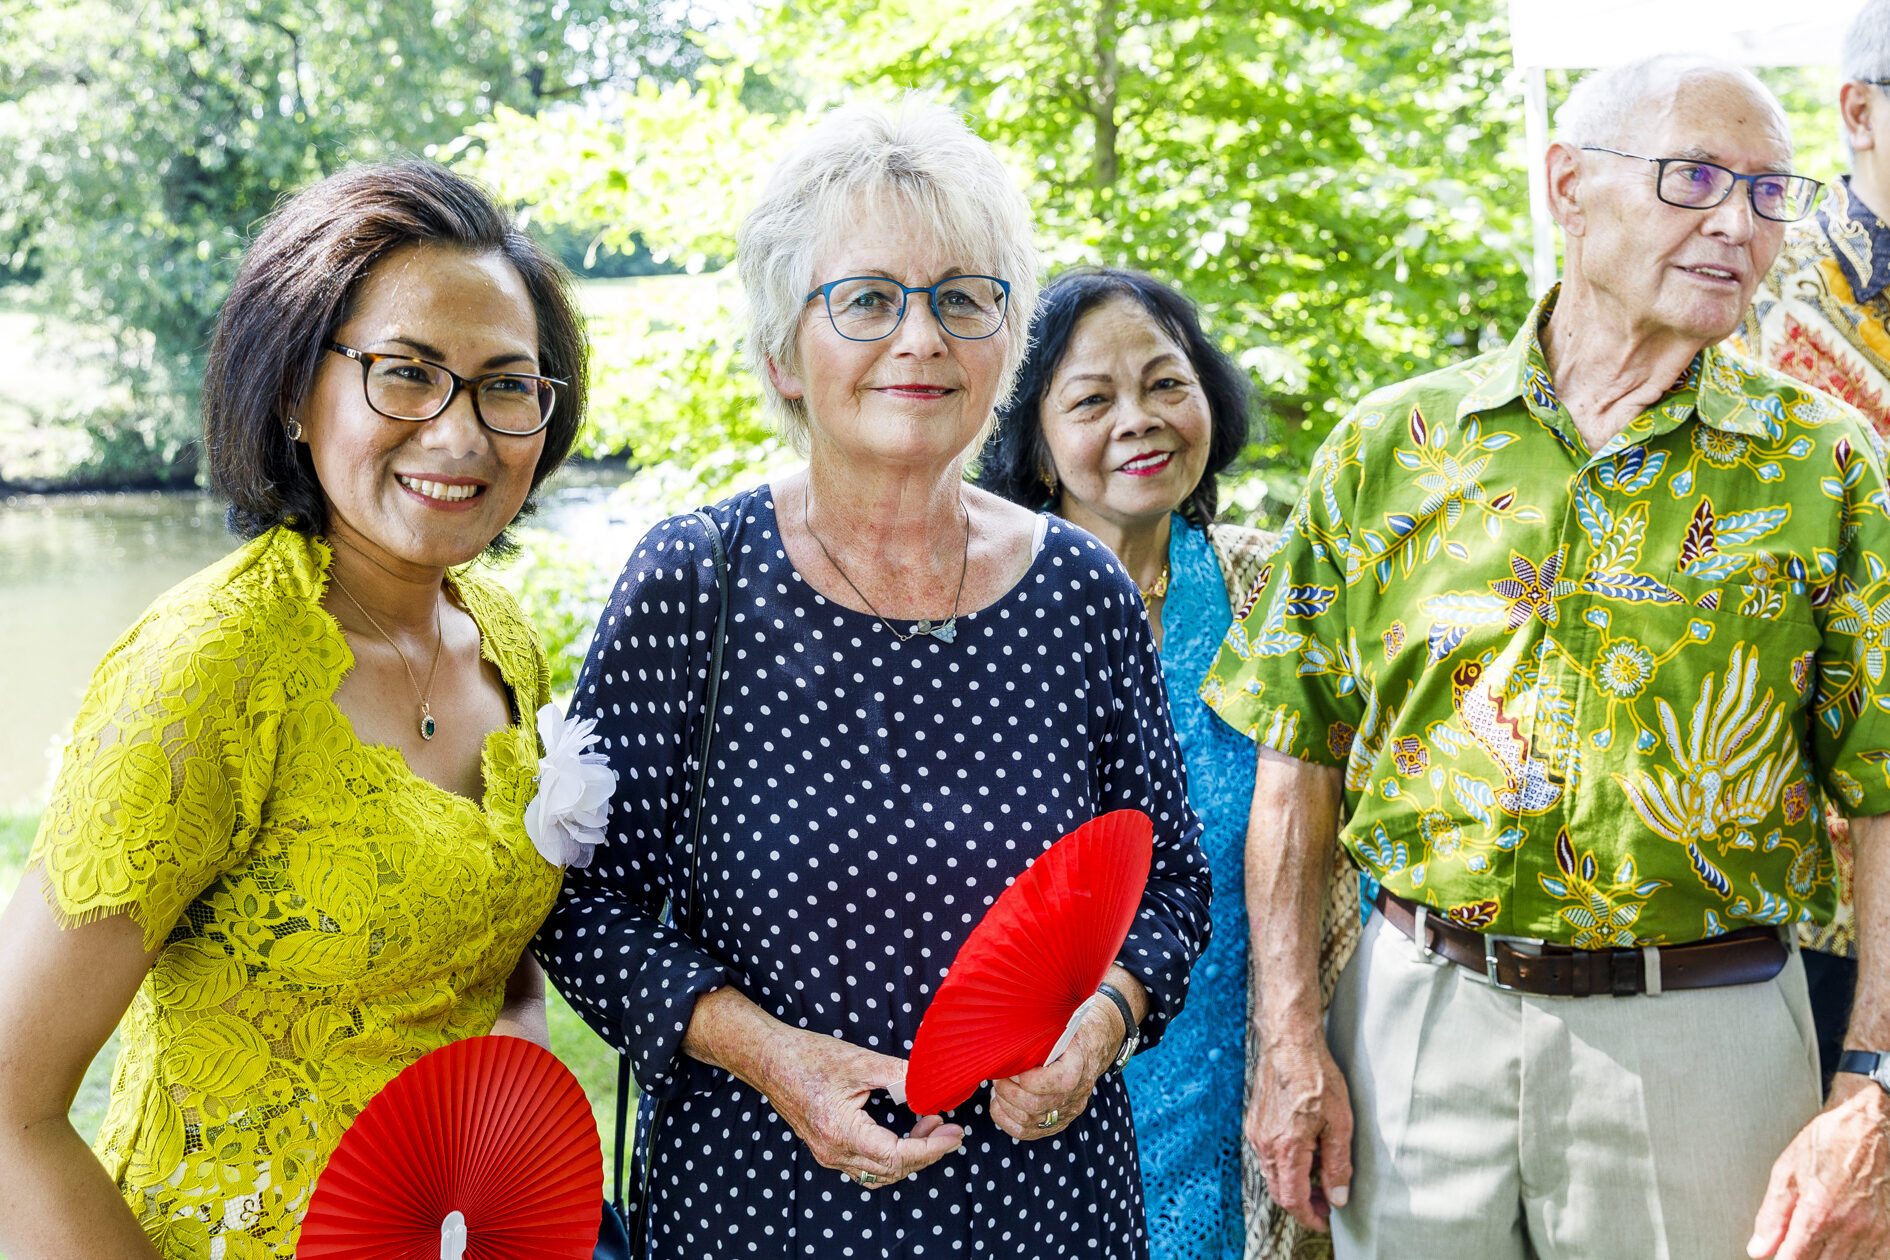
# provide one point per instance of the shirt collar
(1713, 386)
(1859, 240)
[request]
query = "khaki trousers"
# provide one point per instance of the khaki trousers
(1503, 1126)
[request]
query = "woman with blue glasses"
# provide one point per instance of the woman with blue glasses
(924, 687)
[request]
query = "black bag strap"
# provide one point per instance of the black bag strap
(638, 1224)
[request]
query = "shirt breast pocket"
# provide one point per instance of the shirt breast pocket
(1748, 606)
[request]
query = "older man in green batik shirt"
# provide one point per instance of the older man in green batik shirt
(1569, 634)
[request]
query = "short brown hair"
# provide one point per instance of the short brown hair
(296, 287)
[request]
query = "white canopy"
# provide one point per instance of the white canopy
(1580, 34)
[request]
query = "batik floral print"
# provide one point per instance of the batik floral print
(1822, 316)
(1589, 697)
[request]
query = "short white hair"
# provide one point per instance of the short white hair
(1866, 52)
(923, 161)
(1603, 107)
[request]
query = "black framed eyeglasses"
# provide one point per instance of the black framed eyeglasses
(1696, 185)
(870, 308)
(400, 387)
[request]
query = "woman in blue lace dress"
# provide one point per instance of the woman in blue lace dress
(1123, 417)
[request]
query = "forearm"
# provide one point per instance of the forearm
(62, 990)
(56, 1200)
(523, 1014)
(1125, 983)
(1290, 833)
(730, 1032)
(525, 1018)
(1870, 1012)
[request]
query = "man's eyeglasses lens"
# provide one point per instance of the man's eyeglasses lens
(867, 308)
(412, 389)
(1702, 185)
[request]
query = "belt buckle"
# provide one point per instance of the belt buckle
(1489, 964)
(1420, 933)
(1491, 941)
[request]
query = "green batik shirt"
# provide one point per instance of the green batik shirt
(1582, 696)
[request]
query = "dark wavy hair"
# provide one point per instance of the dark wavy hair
(1013, 462)
(298, 284)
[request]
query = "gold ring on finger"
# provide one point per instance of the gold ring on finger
(866, 1178)
(1050, 1119)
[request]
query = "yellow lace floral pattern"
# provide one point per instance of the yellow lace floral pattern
(326, 916)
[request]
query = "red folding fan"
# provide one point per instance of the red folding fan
(1013, 994)
(485, 1148)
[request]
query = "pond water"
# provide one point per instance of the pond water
(77, 570)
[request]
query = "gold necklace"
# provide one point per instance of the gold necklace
(944, 631)
(427, 725)
(1155, 589)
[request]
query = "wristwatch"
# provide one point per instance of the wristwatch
(1872, 1063)
(1131, 1040)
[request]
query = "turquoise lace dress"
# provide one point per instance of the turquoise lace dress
(1186, 1093)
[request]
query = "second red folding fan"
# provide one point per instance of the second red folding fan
(484, 1148)
(1033, 960)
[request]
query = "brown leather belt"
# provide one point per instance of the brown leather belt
(1747, 956)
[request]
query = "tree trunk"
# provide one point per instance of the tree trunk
(1103, 98)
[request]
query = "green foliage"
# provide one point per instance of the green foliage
(1338, 189)
(594, 1063)
(1334, 185)
(17, 829)
(144, 146)
(562, 591)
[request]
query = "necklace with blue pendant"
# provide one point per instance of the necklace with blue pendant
(944, 631)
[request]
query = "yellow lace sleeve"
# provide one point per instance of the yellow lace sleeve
(161, 789)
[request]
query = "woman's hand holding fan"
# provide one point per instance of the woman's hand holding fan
(1043, 1101)
(1020, 990)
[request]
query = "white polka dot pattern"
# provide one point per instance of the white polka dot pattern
(867, 801)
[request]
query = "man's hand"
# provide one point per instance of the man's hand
(1300, 1120)
(1300, 1124)
(1829, 1198)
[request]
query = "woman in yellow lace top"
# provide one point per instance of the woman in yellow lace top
(286, 845)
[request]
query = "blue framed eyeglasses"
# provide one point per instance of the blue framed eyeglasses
(870, 308)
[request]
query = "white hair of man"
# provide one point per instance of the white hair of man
(917, 159)
(1865, 56)
(1866, 52)
(1603, 107)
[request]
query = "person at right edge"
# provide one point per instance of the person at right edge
(1821, 316)
(1574, 632)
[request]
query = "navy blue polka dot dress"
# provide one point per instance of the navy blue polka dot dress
(868, 800)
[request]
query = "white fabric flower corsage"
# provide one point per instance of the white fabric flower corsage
(566, 819)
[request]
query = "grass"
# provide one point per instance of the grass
(590, 1060)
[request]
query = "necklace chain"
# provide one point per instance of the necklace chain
(944, 631)
(428, 727)
(1156, 589)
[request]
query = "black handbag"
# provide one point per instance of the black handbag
(623, 1232)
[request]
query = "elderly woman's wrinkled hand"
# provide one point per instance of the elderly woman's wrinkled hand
(1043, 1101)
(820, 1086)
